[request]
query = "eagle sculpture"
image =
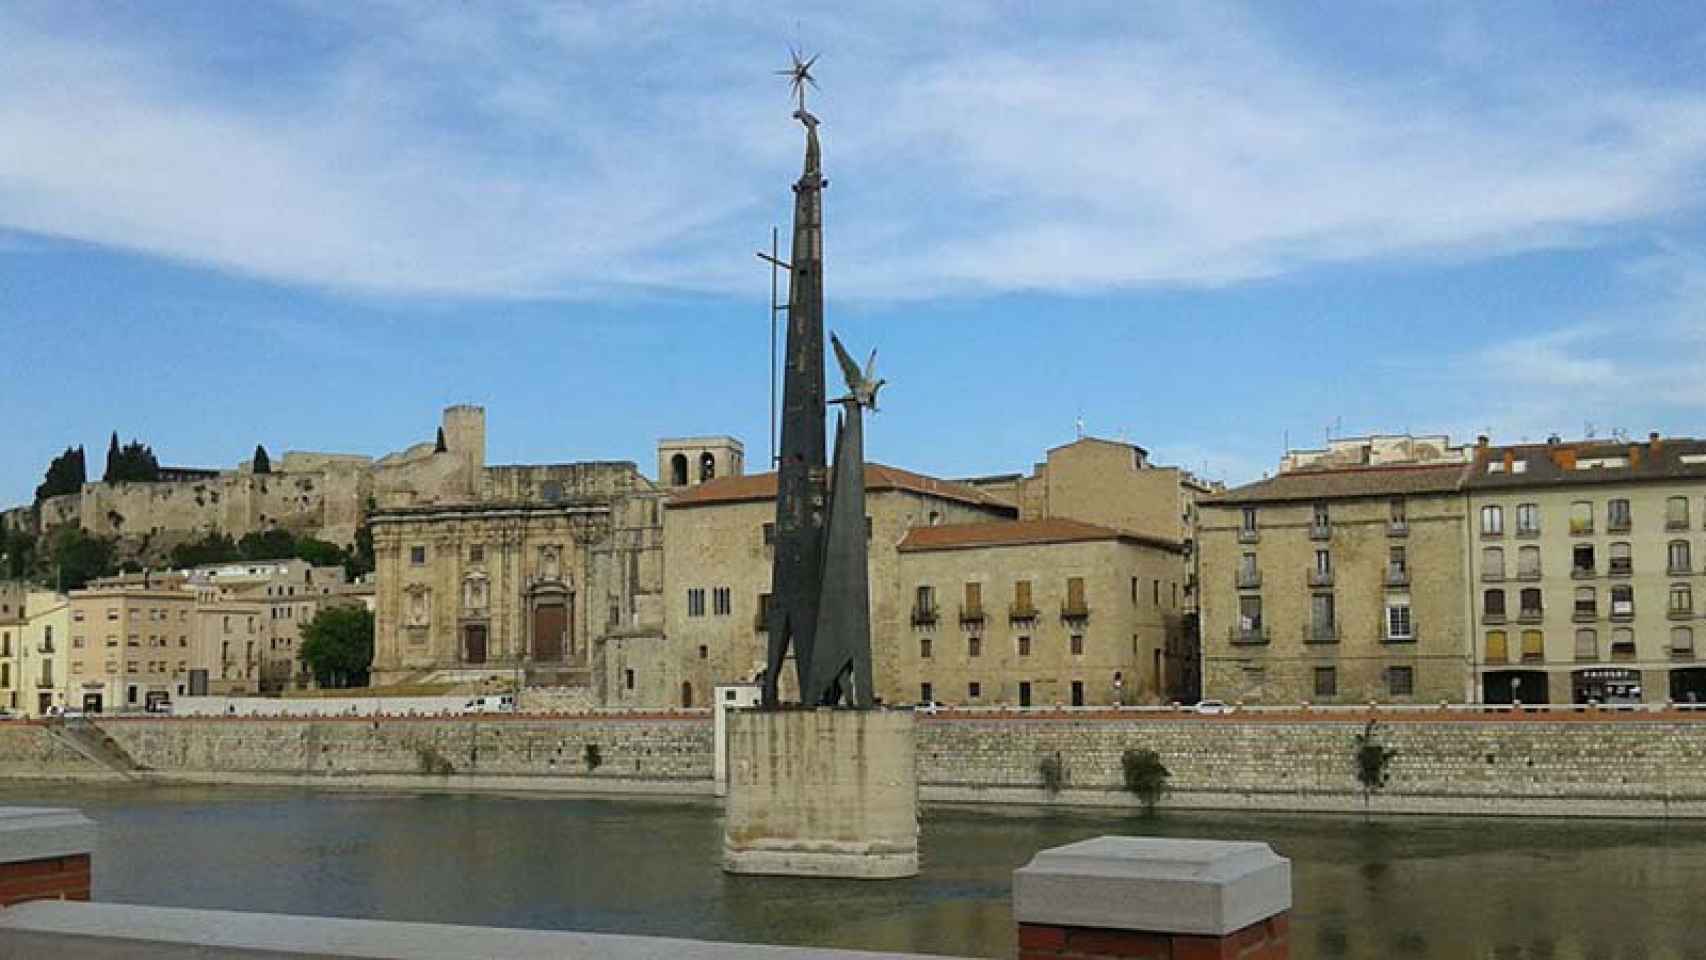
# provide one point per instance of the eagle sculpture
(862, 387)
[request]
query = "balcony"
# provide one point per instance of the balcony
(1583, 573)
(1249, 579)
(1678, 571)
(1074, 611)
(1317, 633)
(1248, 535)
(1492, 576)
(1247, 636)
(1320, 578)
(1528, 533)
(1622, 651)
(1579, 528)
(1682, 653)
(1397, 576)
(1617, 525)
(1681, 613)
(924, 616)
(1620, 568)
(1585, 613)
(1528, 573)
(1672, 523)
(1530, 615)
(1402, 638)
(1397, 528)
(1320, 531)
(1490, 617)
(44, 682)
(44, 648)
(1020, 612)
(1623, 610)
(972, 613)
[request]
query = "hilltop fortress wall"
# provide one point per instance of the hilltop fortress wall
(318, 494)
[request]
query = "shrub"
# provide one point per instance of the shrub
(1372, 759)
(433, 762)
(594, 758)
(1145, 776)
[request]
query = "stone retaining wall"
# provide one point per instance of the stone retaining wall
(1628, 765)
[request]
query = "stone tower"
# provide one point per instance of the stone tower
(690, 461)
(465, 438)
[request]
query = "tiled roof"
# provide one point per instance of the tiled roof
(956, 536)
(762, 486)
(1571, 463)
(1390, 481)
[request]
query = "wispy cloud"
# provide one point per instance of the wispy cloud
(564, 150)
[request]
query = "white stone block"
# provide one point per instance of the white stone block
(37, 833)
(1209, 887)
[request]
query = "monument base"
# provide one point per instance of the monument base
(822, 793)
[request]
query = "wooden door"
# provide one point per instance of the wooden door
(550, 626)
(474, 643)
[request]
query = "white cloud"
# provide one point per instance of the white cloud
(547, 149)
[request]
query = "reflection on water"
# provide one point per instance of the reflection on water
(1422, 888)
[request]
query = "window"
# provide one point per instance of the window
(1247, 524)
(1398, 517)
(477, 553)
(1397, 565)
(1682, 641)
(417, 555)
(1250, 616)
(1326, 682)
(1621, 564)
(1493, 605)
(923, 604)
(1617, 515)
(1528, 519)
(1587, 644)
(1075, 596)
(1581, 560)
(77, 643)
(1529, 600)
(696, 602)
(1681, 599)
(924, 648)
(1492, 521)
(1400, 681)
(1078, 693)
(926, 693)
(1496, 647)
(77, 615)
(974, 646)
(1492, 563)
(1587, 604)
(974, 690)
(721, 602)
(1321, 624)
(1078, 644)
(1324, 563)
(1622, 601)
(1533, 646)
(628, 679)
(704, 652)
(972, 609)
(1319, 522)
(1024, 693)
(1581, 517)
(1248, 575)
(1678, 560)
(1623, 644)
(1023, 608)
(112, 613)
(1024, 646)
(1528, 563)
(769, 534)
(1398, 624)
(1676, 513)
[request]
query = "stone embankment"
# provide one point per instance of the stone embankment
(1590, 764)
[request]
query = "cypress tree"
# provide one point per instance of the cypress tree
(262, 463)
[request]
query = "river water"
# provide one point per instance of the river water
(1408, 888)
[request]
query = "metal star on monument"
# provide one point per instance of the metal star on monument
(799, 74)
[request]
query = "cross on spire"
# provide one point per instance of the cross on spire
(799, 74)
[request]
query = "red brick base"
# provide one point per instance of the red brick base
(56, 878)
(1267, 940)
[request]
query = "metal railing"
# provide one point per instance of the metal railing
(922, 615)
(1248, 579)
(1246, 636)
(1314, 633)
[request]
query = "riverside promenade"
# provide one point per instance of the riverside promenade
(1491, 761)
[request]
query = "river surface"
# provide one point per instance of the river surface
(1408, 888)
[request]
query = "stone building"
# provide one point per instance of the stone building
(1379, 450)
(717, 567)
(12, 620)
(1585, 568)
(1037, 612)
(526, 579)
(1337, 585)
(130, 642)
(43, 653)
(249, 618)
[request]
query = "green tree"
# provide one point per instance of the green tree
(132, 463)
(320, 553)
(438, 446)
(262, 463)
(1145, 776)
(66, 474)
(274, 544)
(1372, 758)
(337, 646)
(213, 548)
(17, 554)
(79, 557)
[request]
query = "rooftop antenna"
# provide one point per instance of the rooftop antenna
(1588, 430)
(1078, 425)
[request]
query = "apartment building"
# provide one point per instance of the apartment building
(12, 620)
(44, 653)
(1336, 585)
(1587, 570)
(1040, 612)
(249, 618)
(130, 643)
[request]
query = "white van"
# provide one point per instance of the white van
(493, 703)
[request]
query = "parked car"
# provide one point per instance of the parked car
(927, 707)
(6, 714)
(1213, 707)
(493, 703)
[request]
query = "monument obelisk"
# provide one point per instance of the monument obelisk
(821, 792)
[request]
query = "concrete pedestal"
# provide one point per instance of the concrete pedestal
(44, 855)
(822, 793)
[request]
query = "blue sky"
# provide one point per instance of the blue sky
(1204, 227)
